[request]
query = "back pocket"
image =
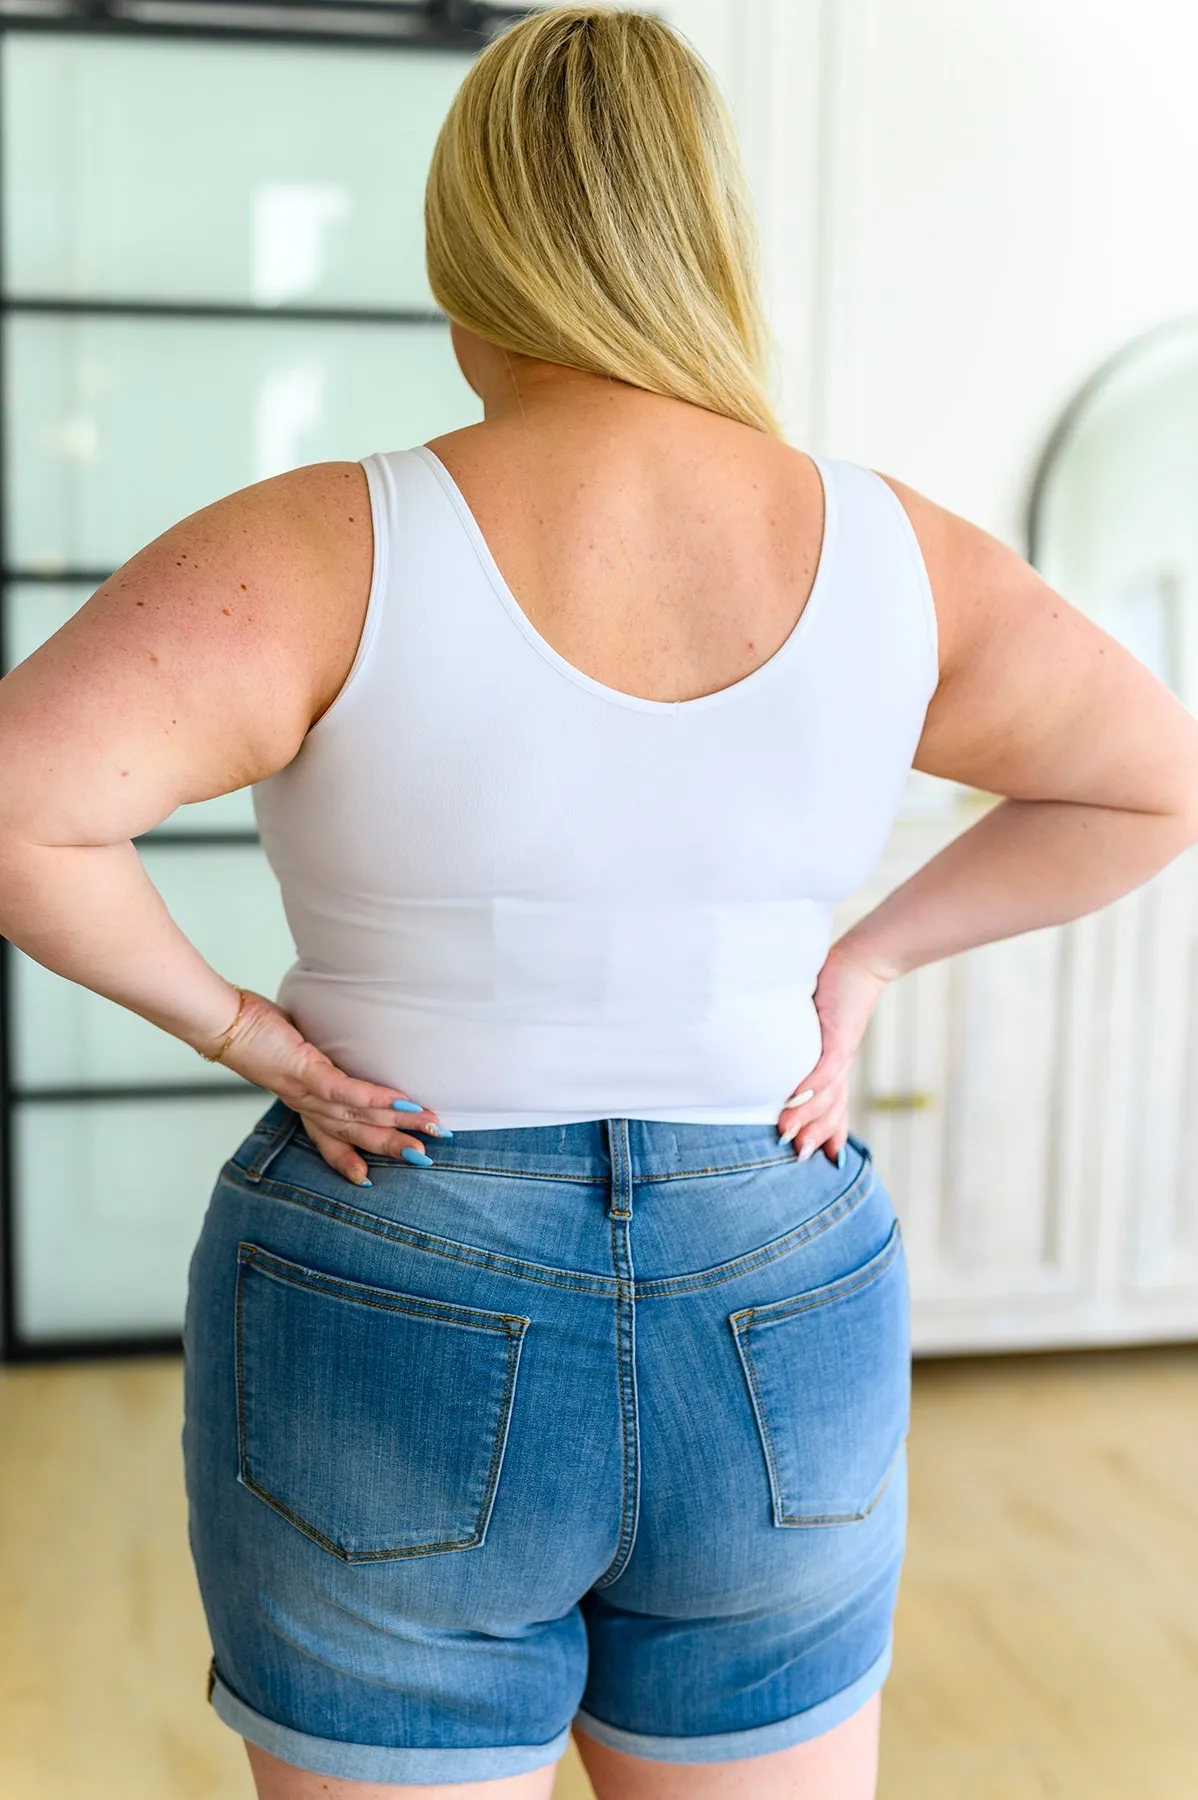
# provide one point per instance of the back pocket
(374, 1422)
(829, 1376)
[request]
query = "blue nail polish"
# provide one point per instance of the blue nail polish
(416, 1156)
(366, 1183)
(841, 1157)
(407, 1106)
(439, 1131)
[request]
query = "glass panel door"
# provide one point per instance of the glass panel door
(213, 271)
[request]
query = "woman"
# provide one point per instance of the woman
(538, 1370)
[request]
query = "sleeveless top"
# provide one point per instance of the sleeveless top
(526, 898)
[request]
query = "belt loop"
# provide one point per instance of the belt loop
(621, 1169)
(281, 1135)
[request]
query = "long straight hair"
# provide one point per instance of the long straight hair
(586, 205)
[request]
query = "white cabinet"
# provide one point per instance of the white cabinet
(1032, 1107)
(967, 210)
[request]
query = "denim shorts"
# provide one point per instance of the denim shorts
(598, 1423)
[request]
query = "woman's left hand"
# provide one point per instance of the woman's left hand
(816, 1115)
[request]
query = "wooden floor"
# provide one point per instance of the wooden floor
(1047, 1635)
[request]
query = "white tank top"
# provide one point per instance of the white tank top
(526, 898)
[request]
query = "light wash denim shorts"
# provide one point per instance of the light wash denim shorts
(598, 1423)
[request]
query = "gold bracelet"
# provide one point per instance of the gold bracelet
(224, 1043)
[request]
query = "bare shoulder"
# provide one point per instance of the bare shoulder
(278, 567)
(274, 574)
(977, 581)
(199, 665)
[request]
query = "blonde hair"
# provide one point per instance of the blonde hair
(586, 206)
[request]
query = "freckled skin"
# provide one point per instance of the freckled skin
(210, 700)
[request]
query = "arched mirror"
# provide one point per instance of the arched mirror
(1114, 515)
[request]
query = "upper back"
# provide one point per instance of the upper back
(689, 665)
(661, 566)
(666, 555)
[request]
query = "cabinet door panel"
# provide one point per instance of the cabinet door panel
(1156, 1075)
(979, 1086)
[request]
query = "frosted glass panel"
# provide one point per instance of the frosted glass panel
(227, 902)
(271, 174)
(1118, 516)
(111, 1202)
(119, 428)
(35, 612)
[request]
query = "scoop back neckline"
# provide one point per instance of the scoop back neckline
(785, 652)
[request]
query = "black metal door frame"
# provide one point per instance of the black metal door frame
(388, 25)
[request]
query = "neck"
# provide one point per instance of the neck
(518, 388)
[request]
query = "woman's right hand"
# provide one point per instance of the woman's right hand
(340, 1114)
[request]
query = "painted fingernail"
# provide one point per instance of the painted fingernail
(365, 1182)
(416, 1156)
(841, 1157)
(407, 1106)
(438, 1131)
(787, 1136)
(800, 1099)
(806, 1151)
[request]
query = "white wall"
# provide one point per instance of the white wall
(968, 205)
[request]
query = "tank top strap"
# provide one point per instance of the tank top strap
(879, 574)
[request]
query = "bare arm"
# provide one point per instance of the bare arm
(1097, 760)
(195, 670)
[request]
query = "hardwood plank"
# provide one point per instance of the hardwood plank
(1048, 1623)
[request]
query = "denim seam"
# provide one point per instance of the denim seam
(292, 1129)
(277, 1139)
(356, 1293)
(741, 1323)
(766, 1162)
(600, 1286)
(391, 1162)
(499, 1447)
(667, 1286)
(835, 1290)
(761, 1162)
(625, 1357)
(514, 1341)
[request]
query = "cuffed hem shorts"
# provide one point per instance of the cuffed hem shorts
(600, 1423)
